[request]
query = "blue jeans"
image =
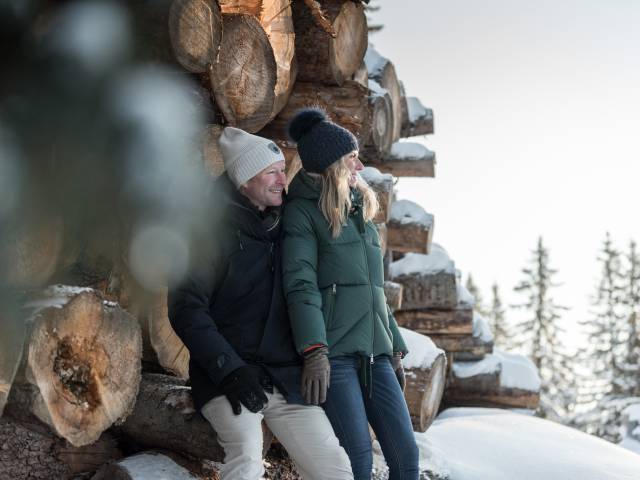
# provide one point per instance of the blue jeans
(350, 409)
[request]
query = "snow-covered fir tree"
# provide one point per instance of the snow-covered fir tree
(604, 349)
(628, 379)
(539, 335)
(475, 291)
(497, 320)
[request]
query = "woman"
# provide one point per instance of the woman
(333, 281)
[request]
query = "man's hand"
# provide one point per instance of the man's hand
(242, 387)
(398, 369)
(315, 376)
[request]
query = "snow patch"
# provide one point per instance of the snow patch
(422, 351)
(375, 89)
(416, 110)
(406, 211)
(481, 328)
(410, 151)
(55, 296)
(419, 263)
(518, 371)
(482, 443)
(374, 61)
(489, 365)
(373, 176)
(147, 466)
(465, 299)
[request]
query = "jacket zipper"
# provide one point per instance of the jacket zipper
(332, 298)
(366, 260)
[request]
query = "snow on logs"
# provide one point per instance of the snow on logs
(382, 184)
(419, 119)
(409, 159)
(499, 380)
(425, 371)
(80, 365)
(410, 228)
(467, 347)
(330, 42)
(383, 72)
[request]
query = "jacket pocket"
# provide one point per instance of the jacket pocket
(331, 302)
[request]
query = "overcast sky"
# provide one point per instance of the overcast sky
(536, 130)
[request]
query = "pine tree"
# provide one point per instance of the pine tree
(475, 291)
(539, 335)
(628, 382)
(497, 320)
(604, 350)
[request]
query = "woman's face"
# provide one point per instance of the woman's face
(354, 165)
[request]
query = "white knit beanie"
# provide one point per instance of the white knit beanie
(245, 155)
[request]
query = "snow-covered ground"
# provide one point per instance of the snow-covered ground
(494, 444)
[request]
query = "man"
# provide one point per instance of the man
(231, 314)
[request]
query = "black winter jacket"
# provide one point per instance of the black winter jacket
(230, 309)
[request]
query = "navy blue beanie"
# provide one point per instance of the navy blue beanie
(320, 141)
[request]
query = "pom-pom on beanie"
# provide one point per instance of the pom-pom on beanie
(245, 155)
(320, 141)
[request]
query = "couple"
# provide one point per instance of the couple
(328, 358)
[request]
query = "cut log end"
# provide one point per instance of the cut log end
(424, 392)
(84, 359)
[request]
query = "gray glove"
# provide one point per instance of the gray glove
(315, 376)
(398, 369)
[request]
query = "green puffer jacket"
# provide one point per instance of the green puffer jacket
(334, 286)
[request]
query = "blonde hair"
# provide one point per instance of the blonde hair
(335, 197)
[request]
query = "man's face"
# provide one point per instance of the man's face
(265, 189)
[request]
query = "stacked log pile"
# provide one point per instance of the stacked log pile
(74, 396)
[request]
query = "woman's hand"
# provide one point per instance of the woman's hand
(315, 375)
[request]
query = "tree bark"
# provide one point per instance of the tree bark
(419, 161)
(323, 58)
(81, 364)
(432, 290)
(275, 17)
(464, 347)
(31, 451)
(184, 32)
(378, 144)
(195, 29)
(383, 72)
(383, 186)
(347, 105)
(419, 119)
(393, 293)
(164, 417)
(409, 237)
(423, 392)
(244, 76)
(428, 322)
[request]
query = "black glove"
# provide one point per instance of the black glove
(398, 369)
(315, 376)
(242, 386)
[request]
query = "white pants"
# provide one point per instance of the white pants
(303, 430)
